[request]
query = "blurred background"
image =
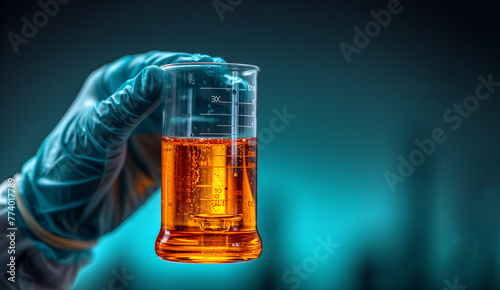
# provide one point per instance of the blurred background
(358, 89)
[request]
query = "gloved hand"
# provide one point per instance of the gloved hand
(102, 161)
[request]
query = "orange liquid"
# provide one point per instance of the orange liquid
(208, 201)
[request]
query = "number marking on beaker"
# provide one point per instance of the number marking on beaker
(218, 203)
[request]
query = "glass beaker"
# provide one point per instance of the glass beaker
(209, 164)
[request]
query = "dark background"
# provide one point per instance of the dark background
(322, 177)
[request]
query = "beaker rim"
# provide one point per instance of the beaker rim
(238, 66)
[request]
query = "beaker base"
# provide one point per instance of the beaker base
(208, 248)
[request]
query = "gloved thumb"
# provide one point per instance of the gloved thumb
(113, 119)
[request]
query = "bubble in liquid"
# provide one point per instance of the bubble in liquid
(193, 82)
(235, 174)
(209, 105)
(192, 135)
(234, 92)
(211, 110)
(194, 128)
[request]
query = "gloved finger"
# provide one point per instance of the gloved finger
(114, 74)
(112, 120)
(219, 59)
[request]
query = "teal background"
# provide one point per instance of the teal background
(322, 176)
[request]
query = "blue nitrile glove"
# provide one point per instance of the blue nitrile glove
(102, 161)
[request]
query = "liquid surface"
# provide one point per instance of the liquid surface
(209, 191)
